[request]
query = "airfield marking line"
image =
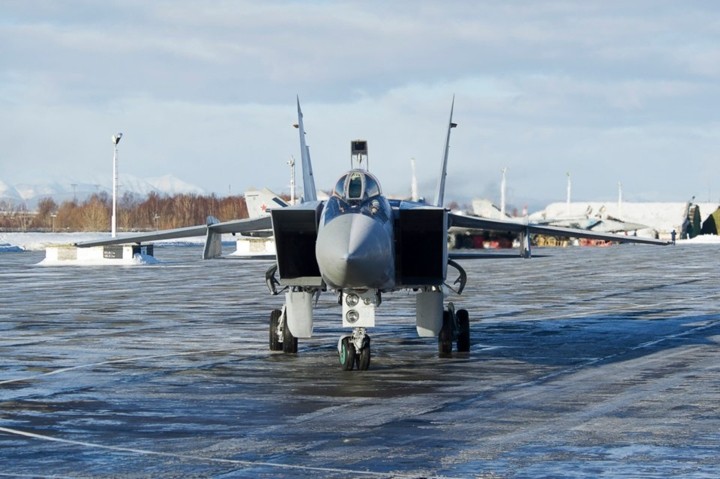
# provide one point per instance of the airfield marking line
(239, 462)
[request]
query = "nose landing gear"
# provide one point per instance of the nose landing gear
(354, 350)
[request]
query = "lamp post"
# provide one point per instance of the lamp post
(115, 140)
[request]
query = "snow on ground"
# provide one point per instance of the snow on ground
(702, 239)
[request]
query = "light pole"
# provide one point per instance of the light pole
(115, 140)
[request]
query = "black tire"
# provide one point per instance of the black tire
(347, 354)
(463, 340)
(446, 336)
(363, 357)
(275, 343)
(290, 342)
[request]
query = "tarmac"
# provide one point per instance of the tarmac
(585, 362)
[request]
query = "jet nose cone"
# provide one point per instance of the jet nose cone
(355, 251)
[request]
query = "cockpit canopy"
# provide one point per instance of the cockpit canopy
(357, 185)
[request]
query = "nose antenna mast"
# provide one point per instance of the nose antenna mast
(358, 154)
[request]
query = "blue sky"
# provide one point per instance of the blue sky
(610, 91)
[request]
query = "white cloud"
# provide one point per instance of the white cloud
(206, 91)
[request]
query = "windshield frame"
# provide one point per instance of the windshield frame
(357, 186)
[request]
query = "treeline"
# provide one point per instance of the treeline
(133, 213)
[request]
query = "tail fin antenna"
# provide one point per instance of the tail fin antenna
(440, 195)
(309, 192)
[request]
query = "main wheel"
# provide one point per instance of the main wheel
(275, 343)
(445, 337)
(463, 340)
(290, 342)
(347, 354)
(363, 356)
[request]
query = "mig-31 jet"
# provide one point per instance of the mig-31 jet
(360, 245)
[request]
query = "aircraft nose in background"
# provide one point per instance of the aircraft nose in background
(355, 251)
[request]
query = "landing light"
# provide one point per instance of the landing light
(352, 300)
(352, 316)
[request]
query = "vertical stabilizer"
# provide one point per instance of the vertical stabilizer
(309, 192)
(440, 195)
(259, 203)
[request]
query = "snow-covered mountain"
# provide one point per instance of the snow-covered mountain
(13, 196)
(9, 194)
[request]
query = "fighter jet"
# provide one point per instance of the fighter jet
(360, 245)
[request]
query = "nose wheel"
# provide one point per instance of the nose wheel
(354, 351)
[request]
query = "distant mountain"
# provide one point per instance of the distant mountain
(9, 194)
(12, 196)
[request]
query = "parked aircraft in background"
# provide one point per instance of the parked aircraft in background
(360, 245)
(594, 220)
(260, 202)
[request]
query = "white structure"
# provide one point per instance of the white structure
(58, 255)
(254, 247)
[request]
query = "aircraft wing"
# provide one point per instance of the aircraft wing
(477, 223)
(210, 229)
(242, 226)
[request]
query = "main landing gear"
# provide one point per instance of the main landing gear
(281, 339)
(354, 350)
(455, 328)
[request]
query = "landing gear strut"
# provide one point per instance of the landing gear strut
(354, 351)
(455, 328)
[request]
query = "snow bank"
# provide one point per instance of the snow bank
(701, 239)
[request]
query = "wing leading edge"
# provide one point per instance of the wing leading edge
(476, 223)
